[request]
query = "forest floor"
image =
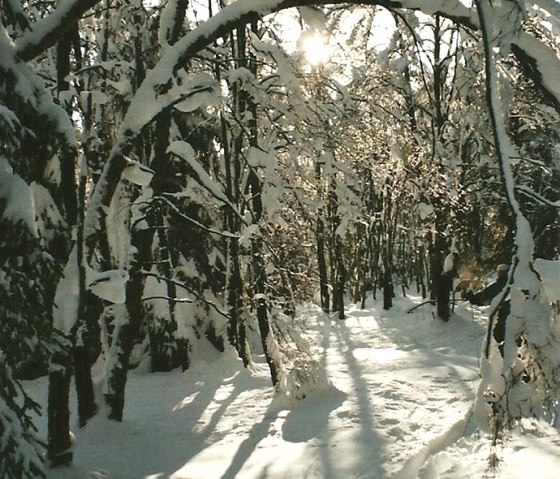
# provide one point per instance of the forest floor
(397, 406)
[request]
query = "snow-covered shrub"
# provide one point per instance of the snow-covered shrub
(20, 448)
(525, 383)
(26, 281)
(299, 372)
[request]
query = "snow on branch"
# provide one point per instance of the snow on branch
(549, 272)
(529, 316)
(178, 213)
(540, 64)
(30, 89)
(17, 198)
(47, 31)
(532, 54)
(108, 285)
(8, 119)
(535, 196)
(137, 173)
(182, 285)
(156, 91)
(185, 151)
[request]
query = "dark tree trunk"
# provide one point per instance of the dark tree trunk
(419, 271)
(388, 290)
(440, 284)
(67, 159)
(258, 265)
(340, 279)
(166, 352)
(236, 326)
(84, 385)
(259, 279)
(59, 445)
(82, 335)
(128, 331)
(321, 255)
(231, 223)
(338, 268)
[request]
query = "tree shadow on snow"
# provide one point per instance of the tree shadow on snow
(369, 439)
(171, 445)
(247, 447)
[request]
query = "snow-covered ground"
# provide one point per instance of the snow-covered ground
(397, 407)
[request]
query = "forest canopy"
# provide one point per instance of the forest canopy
(175, 171)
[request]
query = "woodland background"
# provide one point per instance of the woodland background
(178, 170)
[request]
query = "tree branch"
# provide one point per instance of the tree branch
(185, 287)
(47, 31)
(156, 85)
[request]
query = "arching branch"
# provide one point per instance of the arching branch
(46, 32)
(537, 60)
(155, 93)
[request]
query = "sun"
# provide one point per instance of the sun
(315, 49)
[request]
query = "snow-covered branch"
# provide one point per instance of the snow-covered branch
(186, 288)
(535, 196)
(46, 32)
(155, 92)
(529, 316)
(168, 298)
(178, 213)
(540, 64)
(185, 151)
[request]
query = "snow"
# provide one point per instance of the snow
(137, 173)
(67, 296)
(425, 210)
(109, 285)
(17, 198)
(42, 27)
(449, 263)
(203, 90)
(26, 84)
(166, 22)
(185, 151)
(546, 61)
(398, 405)
(549, 271)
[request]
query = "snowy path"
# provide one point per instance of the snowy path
(407, 379)
(399, 382)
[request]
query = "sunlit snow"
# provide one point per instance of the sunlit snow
(398, 405)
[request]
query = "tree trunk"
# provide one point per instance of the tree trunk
(234, 288)
(82, 334)
(167, 352)
(440, 284)
(128, 325)
(259, 280)
(67, 159)
(338, 268)
(84, 385)
(59, 449)
(259, 272)
(321, 255)
(59, 444)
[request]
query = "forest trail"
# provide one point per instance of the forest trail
(400, 385)
(410, 376)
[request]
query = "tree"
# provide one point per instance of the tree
(208, 125)
(533, 365)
